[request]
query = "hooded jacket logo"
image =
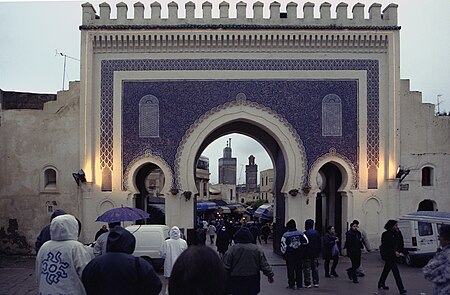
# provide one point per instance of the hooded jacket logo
(53, 268)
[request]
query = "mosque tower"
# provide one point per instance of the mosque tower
(251, 174)
(227, 166)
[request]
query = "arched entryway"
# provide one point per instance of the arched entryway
(150, 181)
(275, 134)
(329, 199)
(332, 178)
(427, 205)
(275, 153)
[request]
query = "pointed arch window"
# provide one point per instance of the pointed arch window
(149, 116)
(331, 115)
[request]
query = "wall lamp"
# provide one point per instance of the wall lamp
(79, 177)
(402, 172)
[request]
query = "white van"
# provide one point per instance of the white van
(149, 238)
(420, 234)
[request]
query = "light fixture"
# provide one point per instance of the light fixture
(79, 177)
(402, 172)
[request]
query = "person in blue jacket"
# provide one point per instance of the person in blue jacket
(311, 255)
(291, 247)
(44, 235)
(119, 272)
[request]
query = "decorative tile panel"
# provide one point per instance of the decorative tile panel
(181, 102)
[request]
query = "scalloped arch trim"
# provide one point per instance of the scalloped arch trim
(147, 158)
(242, 110)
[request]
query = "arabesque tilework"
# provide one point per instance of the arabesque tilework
(184, 101)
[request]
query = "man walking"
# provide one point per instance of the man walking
(360, 271)
(291, 244)
(311, 255)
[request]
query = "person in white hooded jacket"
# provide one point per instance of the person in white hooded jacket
(60, 261)
(171, 249)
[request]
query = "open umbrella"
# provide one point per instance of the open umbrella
(123, 214)
(264, 211)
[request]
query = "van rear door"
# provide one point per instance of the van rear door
(427, 239)
(407, 229)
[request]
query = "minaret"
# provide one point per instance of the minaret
(227, 166)
(251, 174)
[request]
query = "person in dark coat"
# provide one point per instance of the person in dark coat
(44, 235)
(222, 241)
(329, 241)
(254, 229)
(311, 254)
(391, 248)
(119, 272)
(244, 261)
(101, 231)
(353, 244)
(265, 232)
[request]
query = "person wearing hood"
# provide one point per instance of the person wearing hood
(244, 261)
(291, 247)
(171, 249)
(119, 272)
(101, 241)
(222, 241)
(61, 260)
(44, 235)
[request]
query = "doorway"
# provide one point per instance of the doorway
(329, 199)
(149, 182)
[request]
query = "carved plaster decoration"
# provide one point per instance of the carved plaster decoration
(367, 200)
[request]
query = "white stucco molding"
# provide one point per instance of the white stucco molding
(147, 158)
(106, 202)
(344, 165)
(372, 197)
(242, 110)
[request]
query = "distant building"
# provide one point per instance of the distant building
(266, 185)
(227, 166)
(225, 192)
(202, 177)
(251, 174)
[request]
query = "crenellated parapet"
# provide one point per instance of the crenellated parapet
(379, 19)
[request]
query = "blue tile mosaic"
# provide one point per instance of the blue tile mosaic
(299, 102)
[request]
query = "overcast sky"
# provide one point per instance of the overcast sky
(32, 33)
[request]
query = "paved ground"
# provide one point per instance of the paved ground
(17, 278)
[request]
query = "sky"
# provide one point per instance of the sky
(35, 36)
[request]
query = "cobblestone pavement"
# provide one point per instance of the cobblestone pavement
(17, 277)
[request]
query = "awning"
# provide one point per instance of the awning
(236, 208)
(206, 206)
(264, 211)
(224, 210)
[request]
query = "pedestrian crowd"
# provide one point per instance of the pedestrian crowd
(65, 266)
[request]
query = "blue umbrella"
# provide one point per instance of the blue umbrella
(123, 214)
(264, 211)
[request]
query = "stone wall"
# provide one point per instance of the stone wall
(32, 141)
